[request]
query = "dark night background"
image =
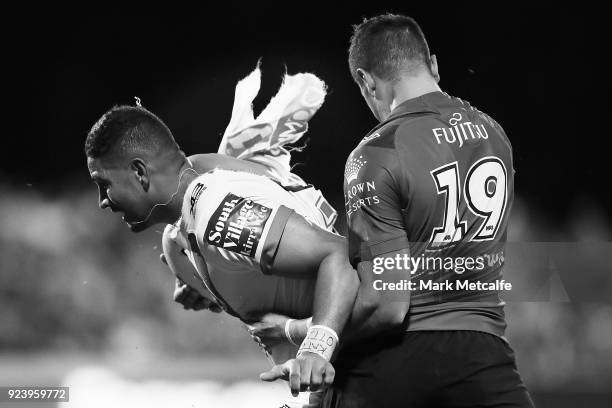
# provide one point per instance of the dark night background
(540, 70)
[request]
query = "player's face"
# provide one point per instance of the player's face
(120, 191)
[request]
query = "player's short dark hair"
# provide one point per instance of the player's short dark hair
(388, 45)
(129, 129)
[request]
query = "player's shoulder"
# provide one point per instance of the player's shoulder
(218, 188)
(206, 162)
(192, 199)
(396, 129)
(417, 122)
(225, 179)
(482, 115)
(209, 181)
(374, 156)
(382, 142)
(213, 185)
(379, 140)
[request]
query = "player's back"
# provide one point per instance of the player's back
(452, 171)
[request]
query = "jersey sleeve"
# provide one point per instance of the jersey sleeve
(235, 226)
(373, 200)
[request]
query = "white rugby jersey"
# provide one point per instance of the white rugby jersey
(235, 219)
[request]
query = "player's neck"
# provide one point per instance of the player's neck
(185, 176)
(412, 87)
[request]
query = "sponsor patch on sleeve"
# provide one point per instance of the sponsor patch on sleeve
(237, 225)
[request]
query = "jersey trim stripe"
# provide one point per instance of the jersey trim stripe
(272, 238)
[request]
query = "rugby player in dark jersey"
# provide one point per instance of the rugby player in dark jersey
(428, 194)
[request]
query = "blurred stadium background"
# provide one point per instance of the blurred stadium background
(85, 303)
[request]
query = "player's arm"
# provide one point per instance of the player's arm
(376, 231)
(373, 312)
(378, 311)
(305, 250)
(377, 236)
(188, 291)
(283, 243)
(279, 241)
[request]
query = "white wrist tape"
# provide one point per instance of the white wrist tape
(320, 340)
(288, 331)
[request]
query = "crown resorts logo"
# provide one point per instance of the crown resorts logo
(352, 168)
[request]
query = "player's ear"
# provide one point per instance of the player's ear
(434, 68)
(366, 81)
(140, 171)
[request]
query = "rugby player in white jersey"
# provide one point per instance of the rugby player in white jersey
(239, 283)
(244, 222)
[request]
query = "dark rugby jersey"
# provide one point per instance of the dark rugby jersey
(436, 178)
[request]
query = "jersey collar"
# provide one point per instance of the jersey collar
(421, 104)
(426, 103)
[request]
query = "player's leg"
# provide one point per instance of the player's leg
(479, 370)
(392, 371)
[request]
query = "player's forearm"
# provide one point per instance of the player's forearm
(373, 312)
(335, 291)
(377, 311)
(366, 320)
(373, 320)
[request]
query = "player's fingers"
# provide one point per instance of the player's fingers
(316, 378)
(275, 373)
(191, 298)
(180, 293)
(294, 377)
(329, 375)
(264, 333)
(256, 327)
(201, 303)
(184, 300)
(305, 372)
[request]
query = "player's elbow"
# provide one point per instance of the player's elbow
(389, 314)
(338, 263)
(394, 314)
(336, 271)
(383, 313)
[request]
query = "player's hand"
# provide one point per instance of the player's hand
(191, 298)
(308, 372)
(270, 329)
